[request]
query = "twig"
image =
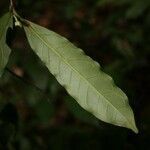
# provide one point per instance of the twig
(11, 5)
(28, 83)
(11, 2)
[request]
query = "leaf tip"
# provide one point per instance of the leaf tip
(133, 127)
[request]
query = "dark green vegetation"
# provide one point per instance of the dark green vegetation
(116, 34)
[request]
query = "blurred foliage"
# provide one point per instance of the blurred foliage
(36, 112)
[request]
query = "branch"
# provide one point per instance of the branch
(11, 2)
(28, 83)
(11, 5)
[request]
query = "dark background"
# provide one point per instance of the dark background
(36, 112)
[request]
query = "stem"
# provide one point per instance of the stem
(11, 5)
(18, 20)
(28, 83)
(22, 79)
(11, 2)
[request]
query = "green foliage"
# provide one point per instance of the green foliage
(5, 22)
(81, 76)
(80, 113)
(116, 34)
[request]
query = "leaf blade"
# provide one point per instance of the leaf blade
(5, 22)
(82, 77)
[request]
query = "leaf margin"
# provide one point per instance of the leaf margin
(132, 125)
(3, 32)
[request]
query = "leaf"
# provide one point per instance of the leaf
(5, 22)
(79, 113)
(81, 76)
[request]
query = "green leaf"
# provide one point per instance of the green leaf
(81, 76)
(80, 113)
(5, 22)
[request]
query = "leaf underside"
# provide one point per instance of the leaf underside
(81, 76)
(5, 22)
